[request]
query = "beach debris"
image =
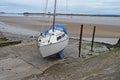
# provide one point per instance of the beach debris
(90, 54)
(83, 56)
(117, 44)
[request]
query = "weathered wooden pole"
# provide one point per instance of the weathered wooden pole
(118, 41)
(117, 44)
(80, 40)
(93, 38)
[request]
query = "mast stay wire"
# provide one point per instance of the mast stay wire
(45, 10)
(44, 13)
(66, 6)
(68, 9)
(46, 6)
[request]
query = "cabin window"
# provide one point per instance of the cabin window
(59, 37)
(39, 40)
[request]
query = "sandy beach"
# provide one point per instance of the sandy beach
(24, 61)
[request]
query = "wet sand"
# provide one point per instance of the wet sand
(72, 25)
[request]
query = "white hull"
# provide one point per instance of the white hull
(53, 48)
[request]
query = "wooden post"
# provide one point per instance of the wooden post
(80, 40)
(93, 38)
(118, 41)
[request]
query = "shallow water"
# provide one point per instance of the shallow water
(11, 14)
(115, 21)
(11, 29)
(105, 40)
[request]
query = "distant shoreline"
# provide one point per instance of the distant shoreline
(100, 15)
(60, 14)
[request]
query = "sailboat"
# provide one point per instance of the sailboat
(52, 41)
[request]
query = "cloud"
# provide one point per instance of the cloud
(75, 6)
(25, 2)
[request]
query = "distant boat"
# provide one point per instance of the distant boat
(54, 39)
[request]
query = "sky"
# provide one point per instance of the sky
(63, 6)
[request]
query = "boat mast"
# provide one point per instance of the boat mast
(54, 14)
